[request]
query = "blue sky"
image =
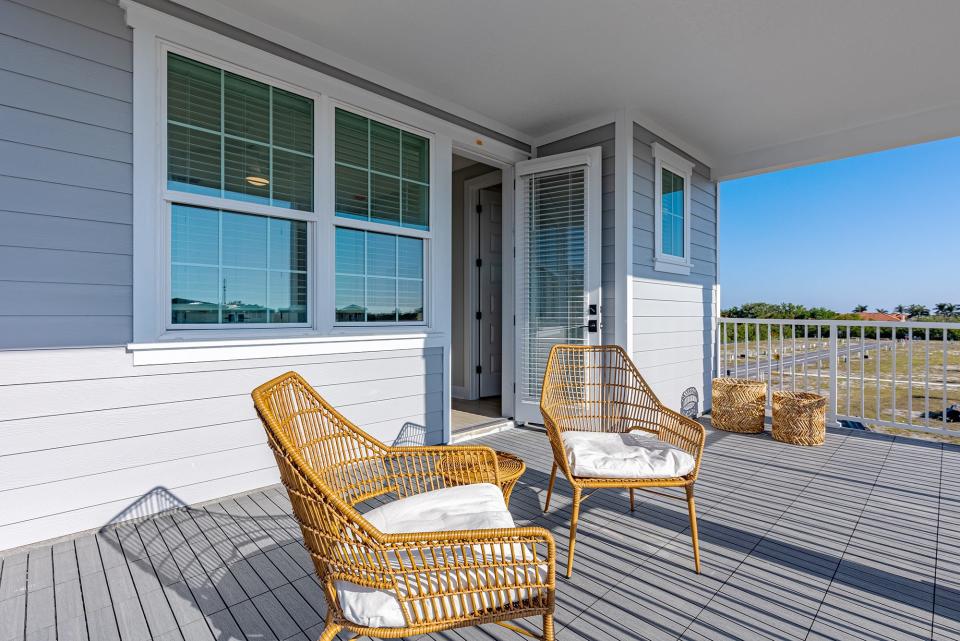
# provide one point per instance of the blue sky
(877, 230)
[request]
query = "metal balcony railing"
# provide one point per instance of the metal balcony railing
(892, 374)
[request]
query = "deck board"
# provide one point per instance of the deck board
(858, 539)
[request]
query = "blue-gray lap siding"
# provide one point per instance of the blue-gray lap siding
(673, 315)
(602, 137)
(65, 174)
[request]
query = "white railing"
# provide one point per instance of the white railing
(892, 374)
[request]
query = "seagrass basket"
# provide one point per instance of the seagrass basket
(799, 418)
(739, 405)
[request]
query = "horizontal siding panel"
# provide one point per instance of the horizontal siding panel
(36, 197)
(670, 371)
(86, 517)
(23, 401)
(661, 357)
(658, 324)
(64, 299)
(32, 128)
(667, 290)
(61, 266)
(48, 98)
(18, 332)
(64, 365)
(96, 15)
(65, 69)
(50, 165)
(42, 28)
(644, 308)
(668, 341)
(53, 232)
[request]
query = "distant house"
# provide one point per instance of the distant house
(882, 316)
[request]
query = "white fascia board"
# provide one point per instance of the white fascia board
(579, 127)
(677, 141)
(912, 129)
(218, 10)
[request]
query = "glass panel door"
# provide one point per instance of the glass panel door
(558, 265)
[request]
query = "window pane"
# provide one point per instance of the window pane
(416, 157)
(410, 257)
(384, 199)
(384, 148)
(244, 240)
(351, 198)
(244, 295)
(381, 255)
(196, 236)
(288, 297)
(416, 204)
(288, 245)
(246, 167)
(350, 251)
(193, 93)
(246, 108)
(193, 160)
(252, 269)
(351, 139)
(672, 209)
(350, 299)
(194, 294)
(381, 300)
(292, 121)
(292, 181)
(410, 300)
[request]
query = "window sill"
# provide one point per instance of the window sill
(671, 267)
(188, 347)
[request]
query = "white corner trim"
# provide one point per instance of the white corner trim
(655, 128)
(623, 228)
(591, 156)
(170, 352)
(671, 268)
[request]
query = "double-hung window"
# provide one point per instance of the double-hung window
(382, 221)
(240, 193)
(672, 180)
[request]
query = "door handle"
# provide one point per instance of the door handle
(591, 326)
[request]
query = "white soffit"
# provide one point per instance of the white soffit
(755, 84)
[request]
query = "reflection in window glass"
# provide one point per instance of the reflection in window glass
(672, 214)
(379, 277)
(230, 268)
(232, 137)
(382, 172)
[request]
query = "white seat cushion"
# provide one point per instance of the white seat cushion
(632, 455)
(466, 507)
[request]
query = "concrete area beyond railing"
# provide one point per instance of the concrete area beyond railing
(892, 374)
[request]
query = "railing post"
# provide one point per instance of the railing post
(832, 408)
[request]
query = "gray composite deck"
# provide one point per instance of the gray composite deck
(853, 540)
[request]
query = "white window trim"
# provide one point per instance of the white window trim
(664, 158)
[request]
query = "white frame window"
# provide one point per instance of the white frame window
(371, 226)
(171, 197)
(666, 159)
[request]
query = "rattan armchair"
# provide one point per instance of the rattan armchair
(598, 389)
(441, 580)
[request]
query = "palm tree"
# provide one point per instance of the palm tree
(900, 309)
(859, 308)
(881, 310)
(943, 309)
(918, 310)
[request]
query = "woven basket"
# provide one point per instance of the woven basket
(799, 418)
(739, 405)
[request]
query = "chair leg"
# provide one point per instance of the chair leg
(693, 528)
(553, 477)
(331, 631)
(548, 634)
(573, 530)
(631, 499)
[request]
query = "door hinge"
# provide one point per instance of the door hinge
(479, 262)
(479, 208)
(479, 369)
(479, 315)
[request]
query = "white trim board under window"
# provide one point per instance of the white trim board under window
(672, 219)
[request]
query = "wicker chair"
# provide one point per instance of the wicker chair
(594, 392)
(429, 581)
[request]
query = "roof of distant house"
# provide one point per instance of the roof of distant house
(882, 316)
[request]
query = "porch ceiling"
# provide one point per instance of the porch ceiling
(749, 84)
